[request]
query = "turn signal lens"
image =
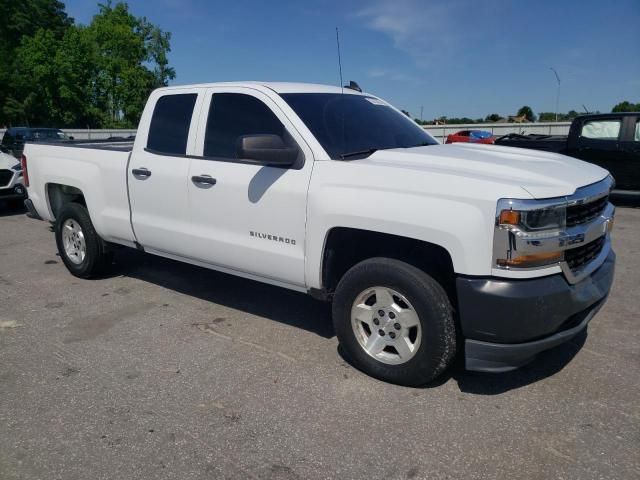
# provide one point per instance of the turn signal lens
(535, 260)
(509, 217)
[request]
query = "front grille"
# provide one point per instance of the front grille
(5, 177)
(576, 258)
(585, 212)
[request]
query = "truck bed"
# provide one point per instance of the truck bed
(97, 168)
(547, 143)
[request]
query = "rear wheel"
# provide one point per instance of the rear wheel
(82, 250)
(394, 322)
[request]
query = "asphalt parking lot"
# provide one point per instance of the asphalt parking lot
(164, 370)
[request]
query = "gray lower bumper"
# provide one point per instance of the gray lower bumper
(503, 357)
(506, 323)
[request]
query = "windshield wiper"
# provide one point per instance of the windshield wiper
(361, 152)
(423, 144)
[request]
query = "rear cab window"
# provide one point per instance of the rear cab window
(170, 123)
(605, 129)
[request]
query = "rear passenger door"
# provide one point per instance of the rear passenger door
(251, 217)
(158, 170)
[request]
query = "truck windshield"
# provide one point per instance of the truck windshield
(355, 126)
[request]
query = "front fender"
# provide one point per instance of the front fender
(462, 228)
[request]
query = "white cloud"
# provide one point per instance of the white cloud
(426, 30)
(391, 74)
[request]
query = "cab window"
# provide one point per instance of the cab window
(169, 129)
(233, 115)
(601, 129)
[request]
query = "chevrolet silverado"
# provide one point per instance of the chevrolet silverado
(426, 251)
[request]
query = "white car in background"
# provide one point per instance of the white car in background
(11, 181)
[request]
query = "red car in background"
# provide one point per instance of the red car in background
(471, 136)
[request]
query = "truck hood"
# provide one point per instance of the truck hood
(7, 161)
(541, 174)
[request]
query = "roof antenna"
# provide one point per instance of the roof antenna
(339, 59)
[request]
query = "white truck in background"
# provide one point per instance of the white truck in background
(426, 251)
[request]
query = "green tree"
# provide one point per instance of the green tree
(493, 117)
(547, 117)
(33, 80)
(562, 117)
(97, 76)
(126, 46)
(527, 112)
(458, 121)
(570, 115)
(18, 20)
(626, 107)
(157, 45)
(77, 68)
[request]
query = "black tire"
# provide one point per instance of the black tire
(437, 348)
(97, 258)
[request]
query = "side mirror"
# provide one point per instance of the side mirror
(71, 137)
(267, 149)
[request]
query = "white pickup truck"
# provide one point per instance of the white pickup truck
(426, 251)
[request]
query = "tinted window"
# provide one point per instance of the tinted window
(354, 123)
(636, 137)
(601, 129)
(232, 115)
(7, 138)
(48, 134)
(170, 123)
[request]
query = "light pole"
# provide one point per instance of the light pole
(558, 93)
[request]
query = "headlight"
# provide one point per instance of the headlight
(531, 221)
(550, 218)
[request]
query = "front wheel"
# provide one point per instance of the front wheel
(394, 322)
(81, 248)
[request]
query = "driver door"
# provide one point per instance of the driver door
(245, 216)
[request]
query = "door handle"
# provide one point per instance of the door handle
(141, 173)
(203, 181)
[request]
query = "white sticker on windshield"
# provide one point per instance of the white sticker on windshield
(375, 101)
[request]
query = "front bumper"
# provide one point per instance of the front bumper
(506, 323)
(17, 191)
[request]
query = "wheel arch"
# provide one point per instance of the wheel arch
(58, 195)
(344, 247)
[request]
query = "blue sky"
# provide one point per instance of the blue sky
(454, 57)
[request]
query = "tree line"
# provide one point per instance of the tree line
(54, 72)
(526, 112)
